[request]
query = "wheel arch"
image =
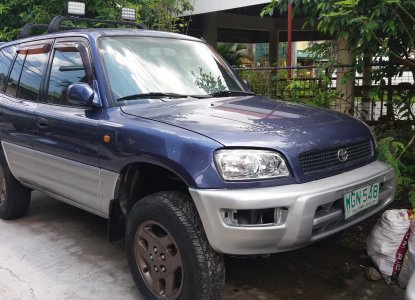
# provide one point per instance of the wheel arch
(136, 180)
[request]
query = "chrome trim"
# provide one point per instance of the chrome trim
(79, 184)
(342, 155)
(301, 200)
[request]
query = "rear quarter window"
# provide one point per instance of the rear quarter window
(6, 59)
(15, 75)
(27, 73)
(31, 76)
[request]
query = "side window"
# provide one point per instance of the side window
(6, 59)
(67, 67)
(13, 82)
(31, 77)
(27, 72)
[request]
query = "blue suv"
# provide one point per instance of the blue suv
(156, 133)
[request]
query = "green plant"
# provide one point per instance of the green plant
(324, 51)
(163, 14)
(401, 156)
(156, 14)
(261, 82)
(315, 92)
(306, 88)
(382, 28)
(232, 53)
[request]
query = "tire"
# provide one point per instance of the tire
(14, 197)
(168, 252)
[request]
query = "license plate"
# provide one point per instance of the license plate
(360, 199)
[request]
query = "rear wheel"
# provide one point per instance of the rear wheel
(14, 197)
(168, 252)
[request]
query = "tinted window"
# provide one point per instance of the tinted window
(31, 76)
(67, 68)
(6, 59)
(15, 75)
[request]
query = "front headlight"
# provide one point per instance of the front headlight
(244, 164)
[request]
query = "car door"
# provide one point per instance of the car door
(19, 98)
(66, 141)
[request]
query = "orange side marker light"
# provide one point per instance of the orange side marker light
(107, 138)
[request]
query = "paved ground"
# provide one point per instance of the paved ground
(61, 252)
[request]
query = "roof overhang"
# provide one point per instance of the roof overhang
(203, 6)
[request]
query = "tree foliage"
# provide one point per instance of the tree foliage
(162, 14)
(232, 53)
(157, 14)
(394, 152)
(383, 28)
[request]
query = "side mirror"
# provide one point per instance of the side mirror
(80, 94)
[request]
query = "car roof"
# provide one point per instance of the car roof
(94, 33)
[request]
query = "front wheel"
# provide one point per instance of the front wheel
(168, 252)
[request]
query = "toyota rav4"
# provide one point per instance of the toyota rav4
(156, 133)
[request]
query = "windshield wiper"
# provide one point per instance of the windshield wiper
(230, 93)
(151, 95)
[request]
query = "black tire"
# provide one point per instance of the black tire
(14, 197)
(170, 218)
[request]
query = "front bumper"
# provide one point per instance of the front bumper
(314, 211)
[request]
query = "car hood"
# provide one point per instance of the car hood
(253, 121)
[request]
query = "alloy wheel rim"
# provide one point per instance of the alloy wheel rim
(159, 260)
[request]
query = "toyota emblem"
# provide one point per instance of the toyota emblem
(342, 155)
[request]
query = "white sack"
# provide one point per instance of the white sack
(387, 242)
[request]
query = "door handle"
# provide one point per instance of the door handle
(42, 123)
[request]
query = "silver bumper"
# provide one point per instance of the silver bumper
(313, 211)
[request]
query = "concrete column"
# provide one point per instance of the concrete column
(294, 56)
(273, 40)
(210, 28)
(345, 103)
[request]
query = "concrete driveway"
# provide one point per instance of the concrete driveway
(61, 252)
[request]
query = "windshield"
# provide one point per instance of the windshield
(142, 69)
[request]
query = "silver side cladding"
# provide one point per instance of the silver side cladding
(82, 185)
(19, 160)
(301, 200)
(108, 188)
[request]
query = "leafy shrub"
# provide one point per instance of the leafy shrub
(402, 158)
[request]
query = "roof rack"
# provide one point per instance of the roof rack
(26, 30)
(55, 25)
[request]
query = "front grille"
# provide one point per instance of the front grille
(327, 159)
